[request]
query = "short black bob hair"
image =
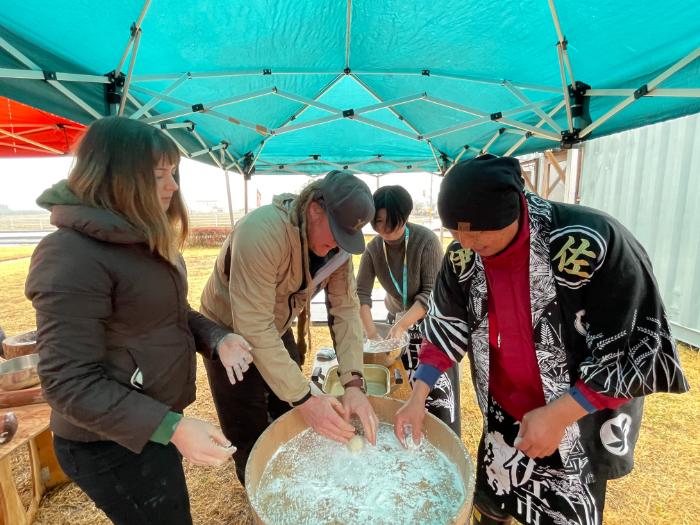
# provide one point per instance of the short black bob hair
(397, 202)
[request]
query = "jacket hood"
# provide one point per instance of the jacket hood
(67, 211)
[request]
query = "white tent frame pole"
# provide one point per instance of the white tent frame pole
(228, 186)
(391, 103)
(305, 100)
(289, 128)
(486, 119)
(27, 74)
(376, 97)
(32, 130)
(188, 125)
(443, 74)
(154, 100)
(386, 127)
(22, 147)
(9, 48)
(440, 169)
(565, 88)
(201, 152)
(210, 105)
(338, 114)
(300, 72)
(132, 36)
(229, 74)
(52, 126)
(532, 129)
(457, 127)
(348, 29)
(204, 145)
(457, 107)
(561, 41)
(650, 86)
(182, 149)
(458, 158)
(490, 143)
(660, 92)
(258, 128)
(524, 99)
(322, 92)
(132, 61)
(15, 136)
(520, 142)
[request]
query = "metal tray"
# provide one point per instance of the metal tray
(377, 379)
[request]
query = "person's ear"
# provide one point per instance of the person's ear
(315, 211)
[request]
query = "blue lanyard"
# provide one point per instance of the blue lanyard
(404, 292)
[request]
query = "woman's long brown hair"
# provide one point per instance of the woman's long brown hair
(114, 170)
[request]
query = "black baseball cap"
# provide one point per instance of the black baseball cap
(349, 206)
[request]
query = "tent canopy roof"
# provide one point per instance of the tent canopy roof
(376, 85)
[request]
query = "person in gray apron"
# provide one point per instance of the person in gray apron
(405, 258)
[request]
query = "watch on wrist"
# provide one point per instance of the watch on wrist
(358, 381)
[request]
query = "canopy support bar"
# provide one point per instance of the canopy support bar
(648, 87)
(154, 100)
(523, 98)
(348, 27)
(204, 145)
(520, 142)
(14, 52)
(21, 138)
(182, 149)
(660, 92)
(132, 61)
(26, 74)
(133, 34)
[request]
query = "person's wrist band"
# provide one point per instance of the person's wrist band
(302, 400)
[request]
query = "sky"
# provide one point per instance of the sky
(204, 187)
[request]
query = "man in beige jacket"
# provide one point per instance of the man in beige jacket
(275, 260)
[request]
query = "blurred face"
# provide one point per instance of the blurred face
(166, 186)
(382, 228)
(486, 243)
(318, 231)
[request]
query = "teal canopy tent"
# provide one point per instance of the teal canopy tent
(367, 85)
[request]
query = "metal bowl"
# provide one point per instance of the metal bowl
(384, 351)
(19, 373)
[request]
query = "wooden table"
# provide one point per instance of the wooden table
(33, 431)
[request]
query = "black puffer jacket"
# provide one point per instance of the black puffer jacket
(115, 334)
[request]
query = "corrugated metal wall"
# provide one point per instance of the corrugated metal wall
(649, 179)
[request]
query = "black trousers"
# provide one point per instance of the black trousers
(247, 408)
(131, 489)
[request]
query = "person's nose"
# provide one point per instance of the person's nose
(172, 184)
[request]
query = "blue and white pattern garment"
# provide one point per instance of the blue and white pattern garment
(596, 316)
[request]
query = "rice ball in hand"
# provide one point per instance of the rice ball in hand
(356, 443)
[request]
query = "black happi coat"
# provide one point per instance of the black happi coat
(596, 315)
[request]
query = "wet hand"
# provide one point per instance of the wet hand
(326, 415)
(356, 402)
(201, 442)
(235, 354)
(397, 331)
(412, 414)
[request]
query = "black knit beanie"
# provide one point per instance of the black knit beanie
(481, 194)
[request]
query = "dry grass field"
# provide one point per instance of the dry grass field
(661, 490)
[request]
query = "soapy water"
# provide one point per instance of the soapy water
(312, 480)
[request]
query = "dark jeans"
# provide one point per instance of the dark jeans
(131, 489)
(247, 408)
